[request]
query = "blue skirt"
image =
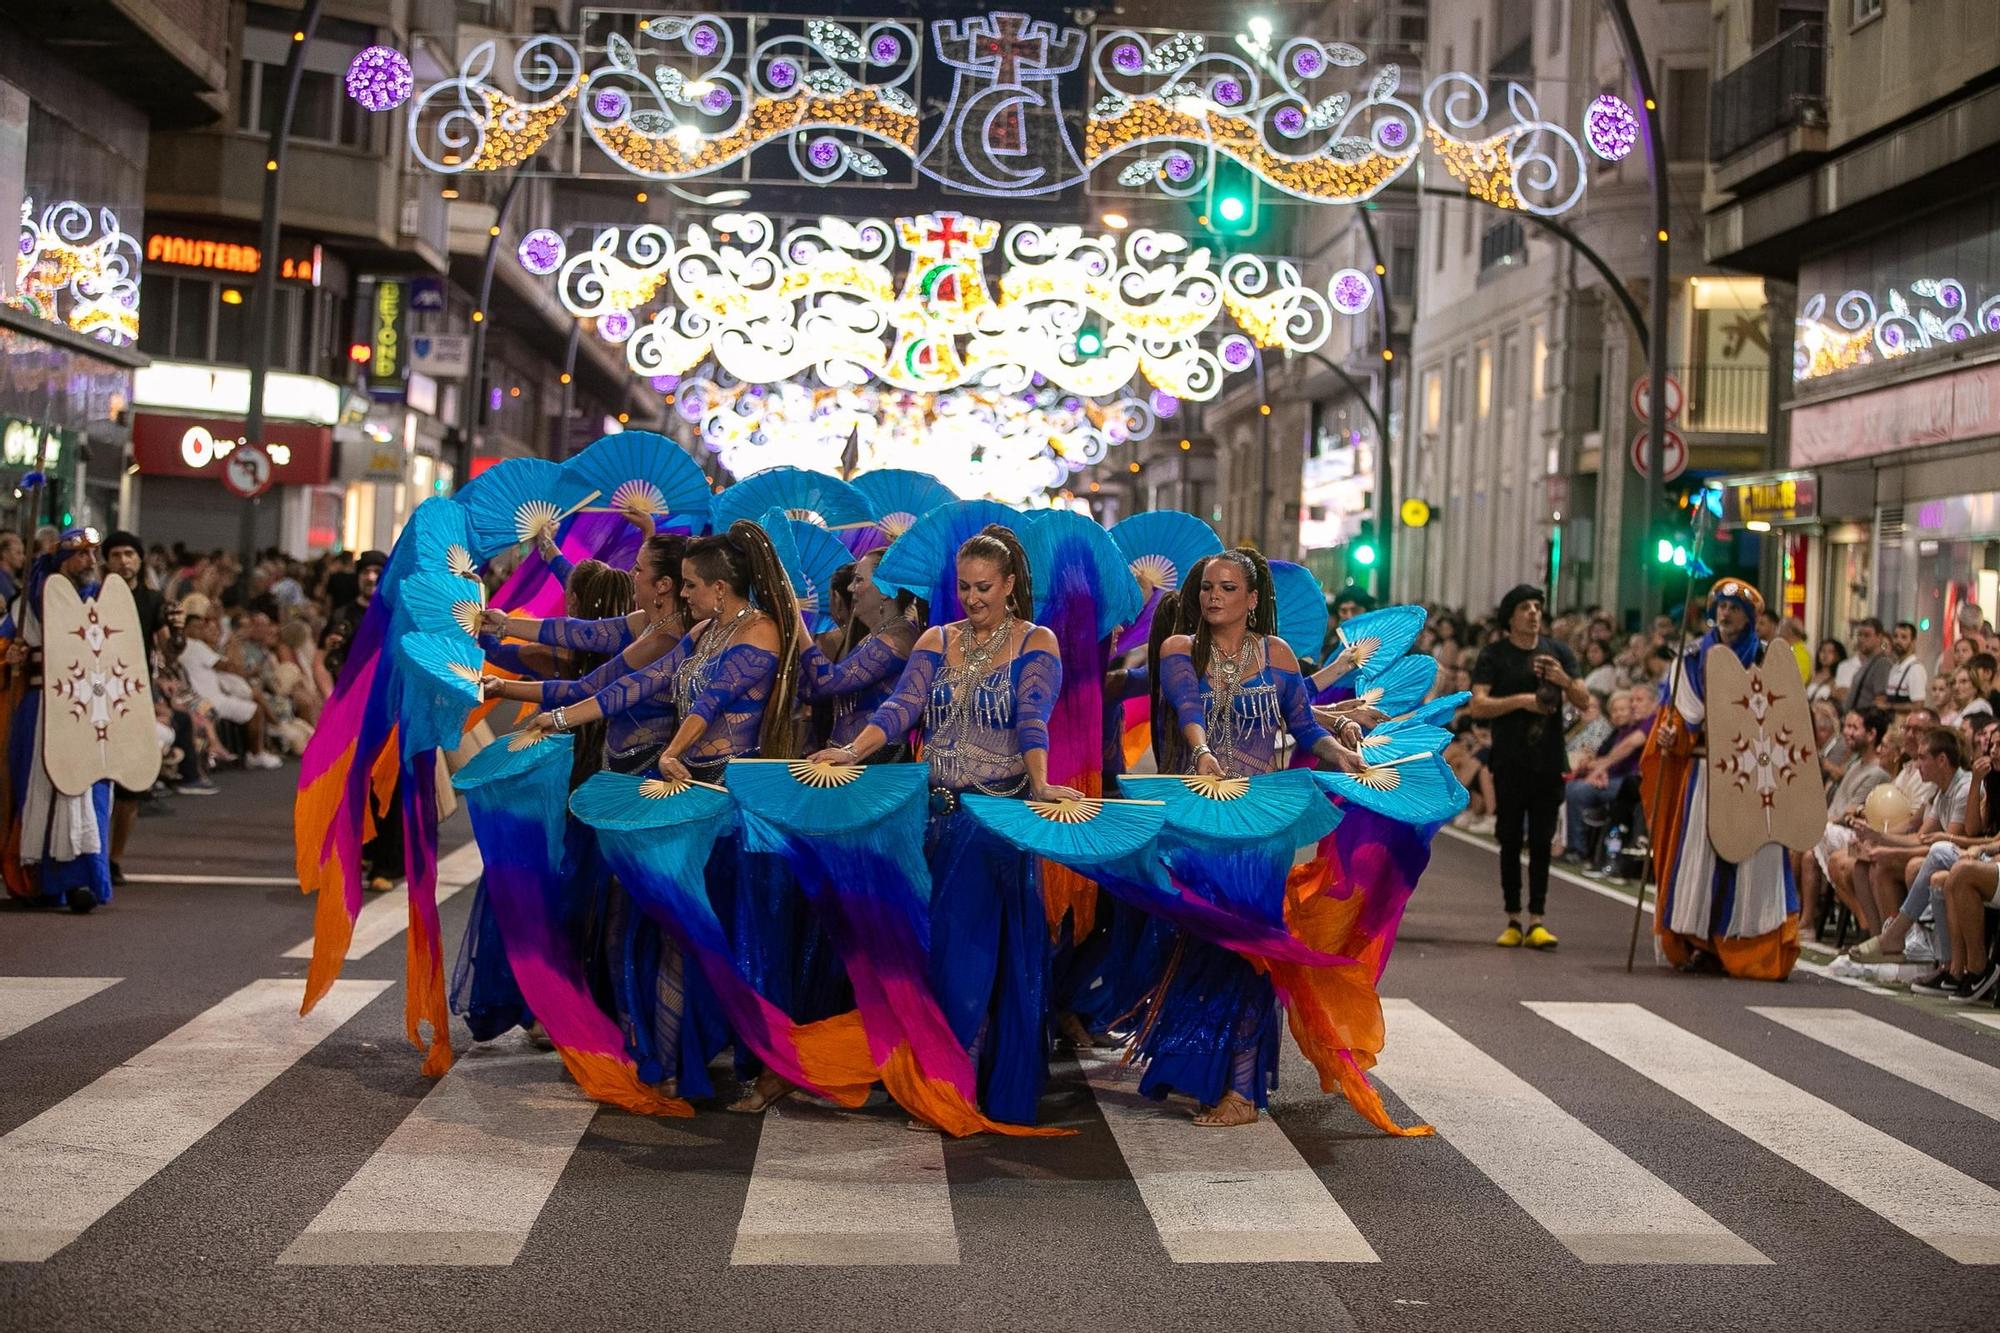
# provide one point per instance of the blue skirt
(989, 961)
(1216, 1030)
(54, 879)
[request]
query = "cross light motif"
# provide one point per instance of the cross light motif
(1768, 761)
(946, 234)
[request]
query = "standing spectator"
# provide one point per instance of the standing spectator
(1772, 629)
(13, 562)
(1909, 684)
(1871, 677)
(1520, 681)
(1824, 682)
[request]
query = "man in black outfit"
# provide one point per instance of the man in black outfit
(1519, 683)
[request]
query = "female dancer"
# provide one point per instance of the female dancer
(982, 689)
(730, 683)
(1233, 689)
(867, 671)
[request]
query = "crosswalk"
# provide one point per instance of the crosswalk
(466, 1176)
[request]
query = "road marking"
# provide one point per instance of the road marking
(831, 1188)
(384, 916)
(218, 881)
(76, 1161)
(26, 1001)
(465, 1176)
(1959, 1078)
(1984, 1020)
(1603, 1206)
(1222, 1196)
(1943, 1207)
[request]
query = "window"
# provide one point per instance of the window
(1485, 383)
(1687, 114)
(1433, 402)
(1439, 217)
(1558, 20)
(1403, 271)
(208, 319)
(323, 114)
(1865, 10)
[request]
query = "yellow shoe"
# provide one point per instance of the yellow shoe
(1540, 937)
(1510, 938)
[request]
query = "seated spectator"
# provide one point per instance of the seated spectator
(1470, 755)
(1961, 944)
(310, 686)
(1600, 674)
(1967, 700)
(1899, 868)
(1827, 740)
(282, 691)
(1586, 734)
(1863, 730)
(1901, 749)
(220, 685)
(1982, 665)
(1825, 681)
(1594, 785)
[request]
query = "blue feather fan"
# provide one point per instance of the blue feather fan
(1378, 638)
(811, 556)
(813, 496)
(1231, 811)
(1162, 545)
(440, 688)
(900, 497)
(817, 800)
(635, 802)
(924, 560)
(643, 469)
(1438, 712)
(1072, 832)
(437, 539)
(1059, 543)
(1301, 609)
(1416, 791)
(512, 501)
(439, 604)
(1399, 688)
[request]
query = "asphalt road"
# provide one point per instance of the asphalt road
(178, 1150)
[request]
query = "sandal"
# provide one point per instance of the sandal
(1225, 1115)
(765, 1093)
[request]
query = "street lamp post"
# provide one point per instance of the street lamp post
(265, 294)
(475, 373)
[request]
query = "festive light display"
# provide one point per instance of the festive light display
(700, 93)
(541, 252)
(79, 270)
(822, 298)
(1010, 446)
(380, 78)
(1610, 127)
(1927, 312)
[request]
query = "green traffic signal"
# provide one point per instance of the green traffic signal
(1089, 341)
(1232, 208)
(1364, 554)
(1670, 552)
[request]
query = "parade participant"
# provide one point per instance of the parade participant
(560, 565)
(730, 683)
(868, 670)
(1520, 682)
(125, 557)
(982, 689)
(1713, 914)
(1234, 689)
(58, 846)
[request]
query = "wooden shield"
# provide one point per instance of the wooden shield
(1763, 762)
(97, 701)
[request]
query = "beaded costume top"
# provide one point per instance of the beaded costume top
(978, 724)
(1244, 710)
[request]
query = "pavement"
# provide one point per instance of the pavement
(1647, 1150)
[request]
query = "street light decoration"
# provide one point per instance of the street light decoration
(80, 270)
(1532, 164)
(380, 78)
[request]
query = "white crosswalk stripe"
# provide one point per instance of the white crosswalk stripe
(384, 916)
(1241, 1195)
(462, 1179)
(1956, 1077)
(69, 1166)
(836, 1189)
(1603, 1206)
(1936, 1203)
(26, 1001)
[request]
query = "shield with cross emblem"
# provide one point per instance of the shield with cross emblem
(97, 701)
(1763, 761)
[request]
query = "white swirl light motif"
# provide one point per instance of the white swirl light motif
(1532, 164)
(1012, 446)
(1183, 104)
(823, 298)
(79, 269)
(1922, 314)
(467, 123)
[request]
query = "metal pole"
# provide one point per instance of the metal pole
(1385, 485)
(1263, 460)
(264, 295)
(1656, 352)
(569, 384)
(476, 372)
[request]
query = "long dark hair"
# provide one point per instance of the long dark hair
(1003, 549)
(747, 562)
(595, 591)
(1180, 613)
(665, 551)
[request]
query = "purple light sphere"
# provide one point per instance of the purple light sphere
(1128, 58)
(1611, 126)
(541, 252)
(1179, 166)
(1164, 403)
(823, 153)
(610, 104)
(1393, 134)
(717, 99)
(380, 78)
(1227, 92)
(1290, 121)
(703, 40)
(1237, 351)
(1351, 291)
(782, 74)
(885, 48)
(615, 325)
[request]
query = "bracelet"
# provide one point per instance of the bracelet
(561, 719)
(1201, 750)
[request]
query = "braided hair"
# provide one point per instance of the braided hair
(1000, 546)
(595, 591)
(665, 551)
(1180, 613)
(746, 561)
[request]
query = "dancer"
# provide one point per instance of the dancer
(982, 689)
(1233, 688)
(868, 669)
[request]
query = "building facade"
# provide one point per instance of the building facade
(1525, 363)
(1854, 164)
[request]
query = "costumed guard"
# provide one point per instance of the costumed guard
(1730, 780)
(83, 718)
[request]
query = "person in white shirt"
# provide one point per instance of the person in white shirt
(1900, 865)
(1909, 682)
(218, 684)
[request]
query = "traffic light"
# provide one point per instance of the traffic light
(1362, 552)
(1234, 203)
(1089, 339)
(1671, 551)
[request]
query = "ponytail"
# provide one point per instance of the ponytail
(767, 584)
(999, 545)
(1168, 743)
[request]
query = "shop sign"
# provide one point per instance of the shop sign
(389, 339)
(224, 391)
(178, 446)
(445, 356)
(1788, 497)
(21, 444)
(298, 261)
(1938, 409)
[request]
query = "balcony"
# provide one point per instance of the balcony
(1781, 86)
(1725, 400)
